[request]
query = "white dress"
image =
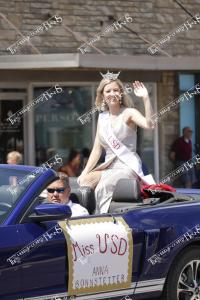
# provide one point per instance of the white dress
(115, 169)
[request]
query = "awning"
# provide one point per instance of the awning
(98, 61)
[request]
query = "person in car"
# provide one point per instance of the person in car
(116, 133)
(59, 192)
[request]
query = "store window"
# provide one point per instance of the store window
(57, 127)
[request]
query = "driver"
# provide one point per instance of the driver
(59, 191)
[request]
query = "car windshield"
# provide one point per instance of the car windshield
(13, 183)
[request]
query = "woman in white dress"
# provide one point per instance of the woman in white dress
(116, 128)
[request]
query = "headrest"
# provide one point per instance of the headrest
(127, 190)
(84, 196)
(73, 182)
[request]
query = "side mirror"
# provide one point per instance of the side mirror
(51, 211)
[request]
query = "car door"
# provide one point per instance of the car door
(43, 259)
(10, 275)
(100, 255)
(145, 240)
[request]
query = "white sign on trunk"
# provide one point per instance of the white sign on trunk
(108, 247)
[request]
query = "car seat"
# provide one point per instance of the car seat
(84, 196)
(126, 196)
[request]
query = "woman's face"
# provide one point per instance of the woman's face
(112, 94)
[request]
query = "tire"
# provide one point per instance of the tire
(181, 284)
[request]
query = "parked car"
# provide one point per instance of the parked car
(157, 239)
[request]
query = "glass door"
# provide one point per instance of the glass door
(11, 135)
(57, 125)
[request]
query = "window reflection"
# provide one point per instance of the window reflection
(57, 129)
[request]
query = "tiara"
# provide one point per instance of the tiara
(110, 76)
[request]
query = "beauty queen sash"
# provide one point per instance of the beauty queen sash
(121, 151)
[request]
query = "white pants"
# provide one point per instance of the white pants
(109, 178)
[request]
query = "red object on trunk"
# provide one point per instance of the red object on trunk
(153, 187)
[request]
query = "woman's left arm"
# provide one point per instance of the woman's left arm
(145, 122)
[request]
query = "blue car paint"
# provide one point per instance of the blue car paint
(44, 270)
(27, 198)
(38, 260)
(166, 223)
(44, 209)
(188, 191)
(10, 276)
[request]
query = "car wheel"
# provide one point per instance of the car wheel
(183, 282)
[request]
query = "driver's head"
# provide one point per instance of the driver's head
(59, 190)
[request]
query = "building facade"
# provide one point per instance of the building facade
(67, 44)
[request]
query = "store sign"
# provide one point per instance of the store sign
(108, 246)
(57, 117)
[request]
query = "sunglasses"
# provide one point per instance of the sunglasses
(59, 190)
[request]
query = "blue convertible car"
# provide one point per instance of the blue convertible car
(152, 246)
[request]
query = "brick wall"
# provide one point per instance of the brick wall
(151, 19)
(169, 124)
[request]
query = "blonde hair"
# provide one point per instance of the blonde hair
(126, 100)
(15, 155)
